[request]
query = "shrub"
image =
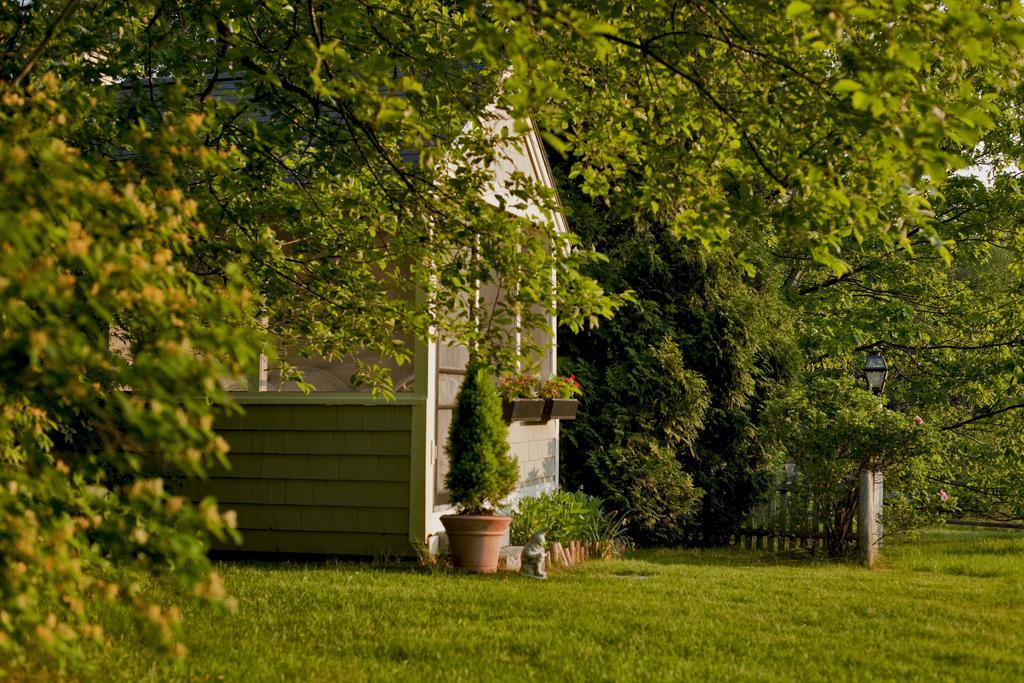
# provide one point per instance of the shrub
(644, 479)
(568, 516)
(84, 257)
(625, 446)
(689, 363)
(481, 473)
(832, 429)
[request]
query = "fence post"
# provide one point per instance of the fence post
(784, 516)
(867, 518)
(879, 497)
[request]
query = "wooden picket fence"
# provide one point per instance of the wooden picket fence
(786, 522)
(781, 523)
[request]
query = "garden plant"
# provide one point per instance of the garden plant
(481, 472)
(518, 386)
(831, 430)
(568, 516)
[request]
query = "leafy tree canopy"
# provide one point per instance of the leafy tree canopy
(833, 121)
(950, 334)
(196, 176)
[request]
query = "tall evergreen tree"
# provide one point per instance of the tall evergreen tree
(683, 369)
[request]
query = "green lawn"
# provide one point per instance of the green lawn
(947, 606)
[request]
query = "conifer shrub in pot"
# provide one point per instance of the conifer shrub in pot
(480, 475)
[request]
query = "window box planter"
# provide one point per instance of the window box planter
(560, 409)
(523, 409)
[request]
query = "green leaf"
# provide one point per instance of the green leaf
(557, 143)
(796, 8)
(847, 85)
(603, 29)
(861, 100)
(912, 58)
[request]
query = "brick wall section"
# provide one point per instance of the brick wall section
(317, 479)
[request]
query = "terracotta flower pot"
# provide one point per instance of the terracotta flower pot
(522, 409)
(475, 540)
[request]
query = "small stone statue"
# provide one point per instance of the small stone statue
(532, 558)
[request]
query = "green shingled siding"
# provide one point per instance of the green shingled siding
(317, 479)
(314, 542)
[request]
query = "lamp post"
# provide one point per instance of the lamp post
(869, 526)
(875, 371)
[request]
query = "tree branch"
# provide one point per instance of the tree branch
(833, 280)
(982, 416)
(708, 95)
(938, 347)
(50, 31)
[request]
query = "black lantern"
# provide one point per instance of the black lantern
(875, 371)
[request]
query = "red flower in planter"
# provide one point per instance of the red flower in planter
(517, 386)
(561, 387)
